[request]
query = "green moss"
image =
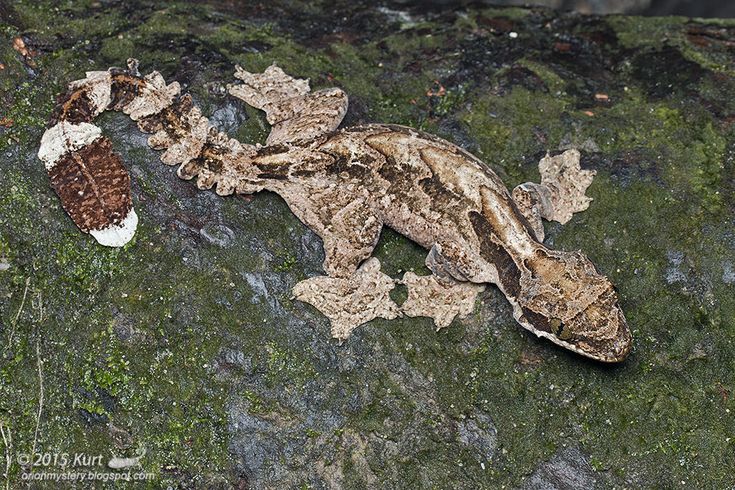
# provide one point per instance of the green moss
(450, 102)
(551, 79)
(287, 369)
(131, 337)
(117, 50)
(638, 32)
(312, 433)
(397, 255)
(656, 32)
(286, 264)
(29, 111)
(255, 129)
(687, 149)
(507, 128)
(256, 404)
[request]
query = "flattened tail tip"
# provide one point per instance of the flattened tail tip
(117, 235)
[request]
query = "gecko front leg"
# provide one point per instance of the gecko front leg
(560, 194)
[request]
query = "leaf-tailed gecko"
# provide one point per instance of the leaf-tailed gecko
(346, 185)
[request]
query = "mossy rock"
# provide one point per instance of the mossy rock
(186, 342)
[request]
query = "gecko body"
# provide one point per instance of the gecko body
(346, 185)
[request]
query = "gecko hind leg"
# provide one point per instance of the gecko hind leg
(294, 112)
(350, 301)
(350, 295)
(441, 295)
(560, 194)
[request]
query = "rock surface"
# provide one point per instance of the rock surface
(187, 342)
(567, 470)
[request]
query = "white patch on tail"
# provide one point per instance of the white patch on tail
(64, 138)
(119, 234)
(99, 85)
(154, 96)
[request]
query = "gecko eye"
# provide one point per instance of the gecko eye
(557, 328)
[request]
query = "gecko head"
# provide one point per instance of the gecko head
(599, 331)
(576, 307)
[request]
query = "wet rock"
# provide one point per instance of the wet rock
(480, 435)
(700, 351)
(91, 418)
(665, 72)
(122, 438)
(587, 145)
(569, 469)
(229, 117)
(123, 326)
(728, 273)
(452, 130)
(218, 234)
(673, 272)
(256, 449)
(311, 253)
(190, 254)
(267, 289)
(234, 358)
(257, 284)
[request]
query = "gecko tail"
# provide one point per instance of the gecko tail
(90, 177)
(91, 181)
(86, 173)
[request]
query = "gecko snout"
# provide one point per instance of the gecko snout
(600, 331)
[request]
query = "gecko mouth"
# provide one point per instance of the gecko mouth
(616, 351)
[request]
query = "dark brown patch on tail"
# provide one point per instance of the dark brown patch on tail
(93, 185)
(171, 119)
(123, 90)
(212, 157)
(510, 274)
(74, 107)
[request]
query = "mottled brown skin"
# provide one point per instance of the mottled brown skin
(347, 184)
(92, 182)
(363, 178)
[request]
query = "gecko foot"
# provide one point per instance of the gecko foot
(441, 299)
(292, 109)
(560, 194)
(349, 302)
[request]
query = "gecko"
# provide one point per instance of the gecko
(346, 185)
